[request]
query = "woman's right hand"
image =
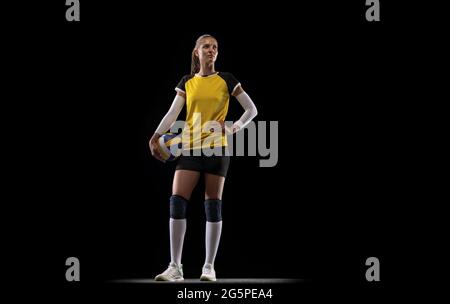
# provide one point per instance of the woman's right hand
(153, 144)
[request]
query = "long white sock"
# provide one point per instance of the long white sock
(177, 231)
(212, 238)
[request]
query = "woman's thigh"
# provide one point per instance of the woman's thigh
(214, 186)
(184, 182)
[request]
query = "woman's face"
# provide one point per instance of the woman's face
(207, 50)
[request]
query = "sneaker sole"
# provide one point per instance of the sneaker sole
(204, 278)
(163, 279)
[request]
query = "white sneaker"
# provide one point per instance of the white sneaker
(208, 273)
(173, 273)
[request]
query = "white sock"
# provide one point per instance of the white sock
(177, 231)
(212, 238)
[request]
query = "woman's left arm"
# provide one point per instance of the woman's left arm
(249, 107)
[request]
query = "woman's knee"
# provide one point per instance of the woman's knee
(185, 195)
(178, 207)
(213, 196)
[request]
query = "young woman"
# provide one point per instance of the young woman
(206, 94)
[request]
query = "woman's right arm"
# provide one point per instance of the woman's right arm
(172, 114)
(166, 122)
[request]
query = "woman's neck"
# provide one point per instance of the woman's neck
(206, 70)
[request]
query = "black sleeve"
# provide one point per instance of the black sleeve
(231, 81)
(181, 85)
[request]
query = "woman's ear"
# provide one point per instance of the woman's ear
(195, 53)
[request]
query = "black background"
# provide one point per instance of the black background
(100, 87)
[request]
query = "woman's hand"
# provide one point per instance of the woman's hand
(153, 144)
(228, 130)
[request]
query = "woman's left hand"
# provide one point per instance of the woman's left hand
(226, 129)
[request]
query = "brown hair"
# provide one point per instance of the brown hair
(195, 62)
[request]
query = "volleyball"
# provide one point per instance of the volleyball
(170, 146)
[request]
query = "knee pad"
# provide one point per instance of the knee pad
(213, 210)
(178, 207)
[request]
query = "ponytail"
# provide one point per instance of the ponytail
(195, 63)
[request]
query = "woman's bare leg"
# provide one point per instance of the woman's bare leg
(214, 186)
(184, 182)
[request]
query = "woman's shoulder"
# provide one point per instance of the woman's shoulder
(227, 76)
(230, 80)
(187, 77)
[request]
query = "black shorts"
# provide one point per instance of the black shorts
(217, 165)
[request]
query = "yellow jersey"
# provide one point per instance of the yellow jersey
(207, 99)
